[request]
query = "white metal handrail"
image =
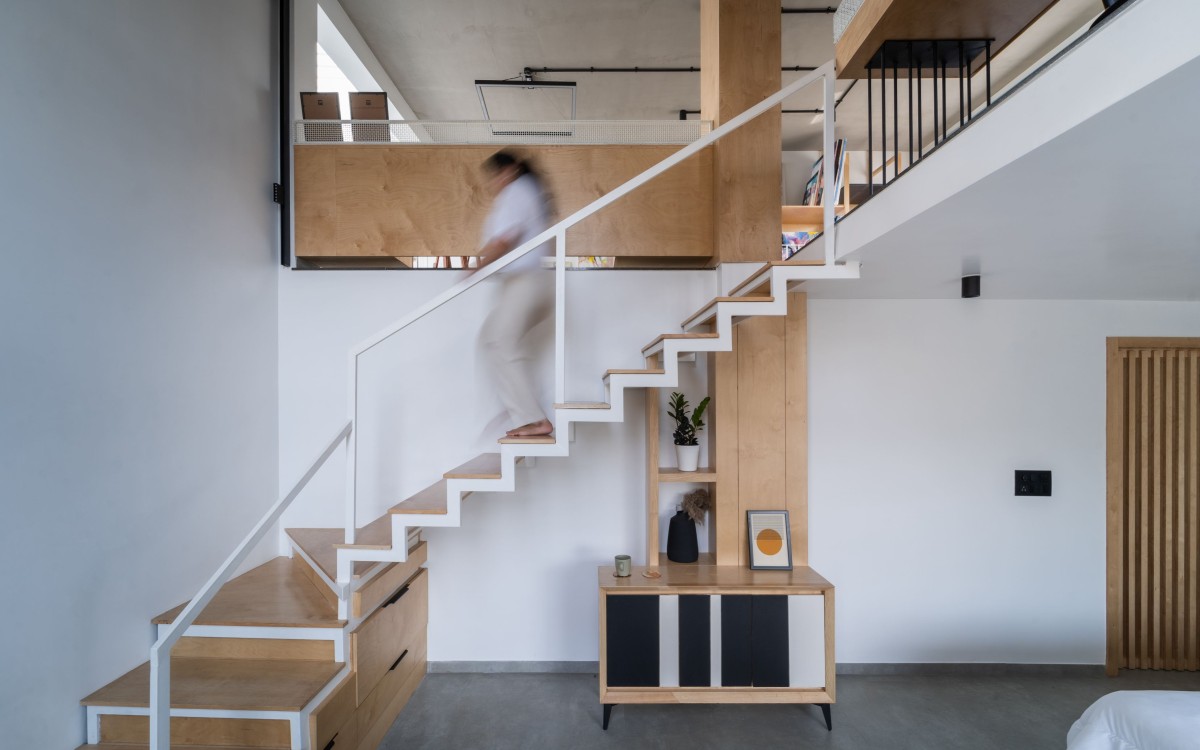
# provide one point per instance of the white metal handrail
(558, 233)
(160, 652)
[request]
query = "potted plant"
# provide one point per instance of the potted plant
(687, 425)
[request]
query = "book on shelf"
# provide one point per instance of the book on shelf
(814, 191)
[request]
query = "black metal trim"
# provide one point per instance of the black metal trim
(284, 29)
(822, 11)
(333, 739)
(396, 596)
(399, 659)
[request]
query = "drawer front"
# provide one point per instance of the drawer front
(382, 586)
(376, 704)
(334, 712)
(379, 643)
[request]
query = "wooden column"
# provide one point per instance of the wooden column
(760, 429)
(740, 60)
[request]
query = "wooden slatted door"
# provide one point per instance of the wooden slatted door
(1153, 505)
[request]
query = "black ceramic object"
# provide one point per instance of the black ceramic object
(682, 546)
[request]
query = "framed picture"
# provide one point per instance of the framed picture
(770, 539)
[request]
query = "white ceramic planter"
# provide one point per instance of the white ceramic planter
(688, 457)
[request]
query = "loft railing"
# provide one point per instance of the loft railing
(558, 233)
(160, 652)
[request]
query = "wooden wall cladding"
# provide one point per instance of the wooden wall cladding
(361, 201)
(1153, 504)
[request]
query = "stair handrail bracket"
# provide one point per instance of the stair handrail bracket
(558, 234)
(160, 652)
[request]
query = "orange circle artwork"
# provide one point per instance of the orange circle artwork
(769, 541)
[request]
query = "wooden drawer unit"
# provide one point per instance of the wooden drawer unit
(380, 588)
(375, 707)
(391, 635)
(334, 720)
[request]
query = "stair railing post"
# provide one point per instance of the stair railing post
(831, 169)
(160, 700)
(351, 511)
(560, 316)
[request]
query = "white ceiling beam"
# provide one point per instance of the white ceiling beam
(340, 39)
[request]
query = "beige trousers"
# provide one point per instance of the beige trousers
(523, 300)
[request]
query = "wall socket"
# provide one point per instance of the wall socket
(1030, 483)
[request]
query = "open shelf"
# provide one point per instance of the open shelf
(672, 474)
(706, 558)
(809, 216)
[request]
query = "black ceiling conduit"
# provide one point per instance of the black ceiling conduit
(528, 72)
(683, 113)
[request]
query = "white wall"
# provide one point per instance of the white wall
(138, 294)
(920, 412)
(517, 580)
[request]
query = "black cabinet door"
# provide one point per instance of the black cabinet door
(769, 641)
(632, 639)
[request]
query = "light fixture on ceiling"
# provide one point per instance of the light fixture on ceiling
(970, 286)
(525, 82)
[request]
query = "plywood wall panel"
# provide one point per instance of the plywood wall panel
(404, 201)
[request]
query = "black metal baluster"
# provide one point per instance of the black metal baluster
(970, 97)
(882, 119)
(945, 117)
(895, 120)
(910, 102)
(935, 96)
(870, 135)
(987, 51)
(961, 112)
(920, 129)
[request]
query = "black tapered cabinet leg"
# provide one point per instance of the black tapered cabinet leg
(608, 707)
(825, 711)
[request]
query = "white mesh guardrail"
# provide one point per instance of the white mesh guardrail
(842, 17)
(487, 132)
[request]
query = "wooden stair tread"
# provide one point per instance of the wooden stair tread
(275, 594)
(429, 501)
(484, 466)
(677, 336)
(634, 372)
(534, 440)
(584, 405)
(321, 547)
(225, 684)
(709, 310)
(766, 267)
(174, 746)
(375, 535)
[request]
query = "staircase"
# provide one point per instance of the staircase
(274, 660)
(321, 649)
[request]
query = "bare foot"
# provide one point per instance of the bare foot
(533, 429)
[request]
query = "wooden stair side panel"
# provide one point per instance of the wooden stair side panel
(253, 648)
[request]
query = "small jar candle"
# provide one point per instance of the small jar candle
(624, 566)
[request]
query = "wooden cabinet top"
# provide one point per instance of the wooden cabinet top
(715, 579)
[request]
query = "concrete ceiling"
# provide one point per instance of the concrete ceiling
(1106, 211)
(434, 51)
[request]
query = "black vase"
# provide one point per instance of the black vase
(682, 546)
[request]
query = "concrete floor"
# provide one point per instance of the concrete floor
(894, 712)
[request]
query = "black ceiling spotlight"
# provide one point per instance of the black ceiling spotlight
(970, 286)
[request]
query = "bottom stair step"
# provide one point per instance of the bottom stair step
(144, 746)
(225, 684)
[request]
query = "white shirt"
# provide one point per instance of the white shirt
(519, 214)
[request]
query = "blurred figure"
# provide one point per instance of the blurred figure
(520, 211)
